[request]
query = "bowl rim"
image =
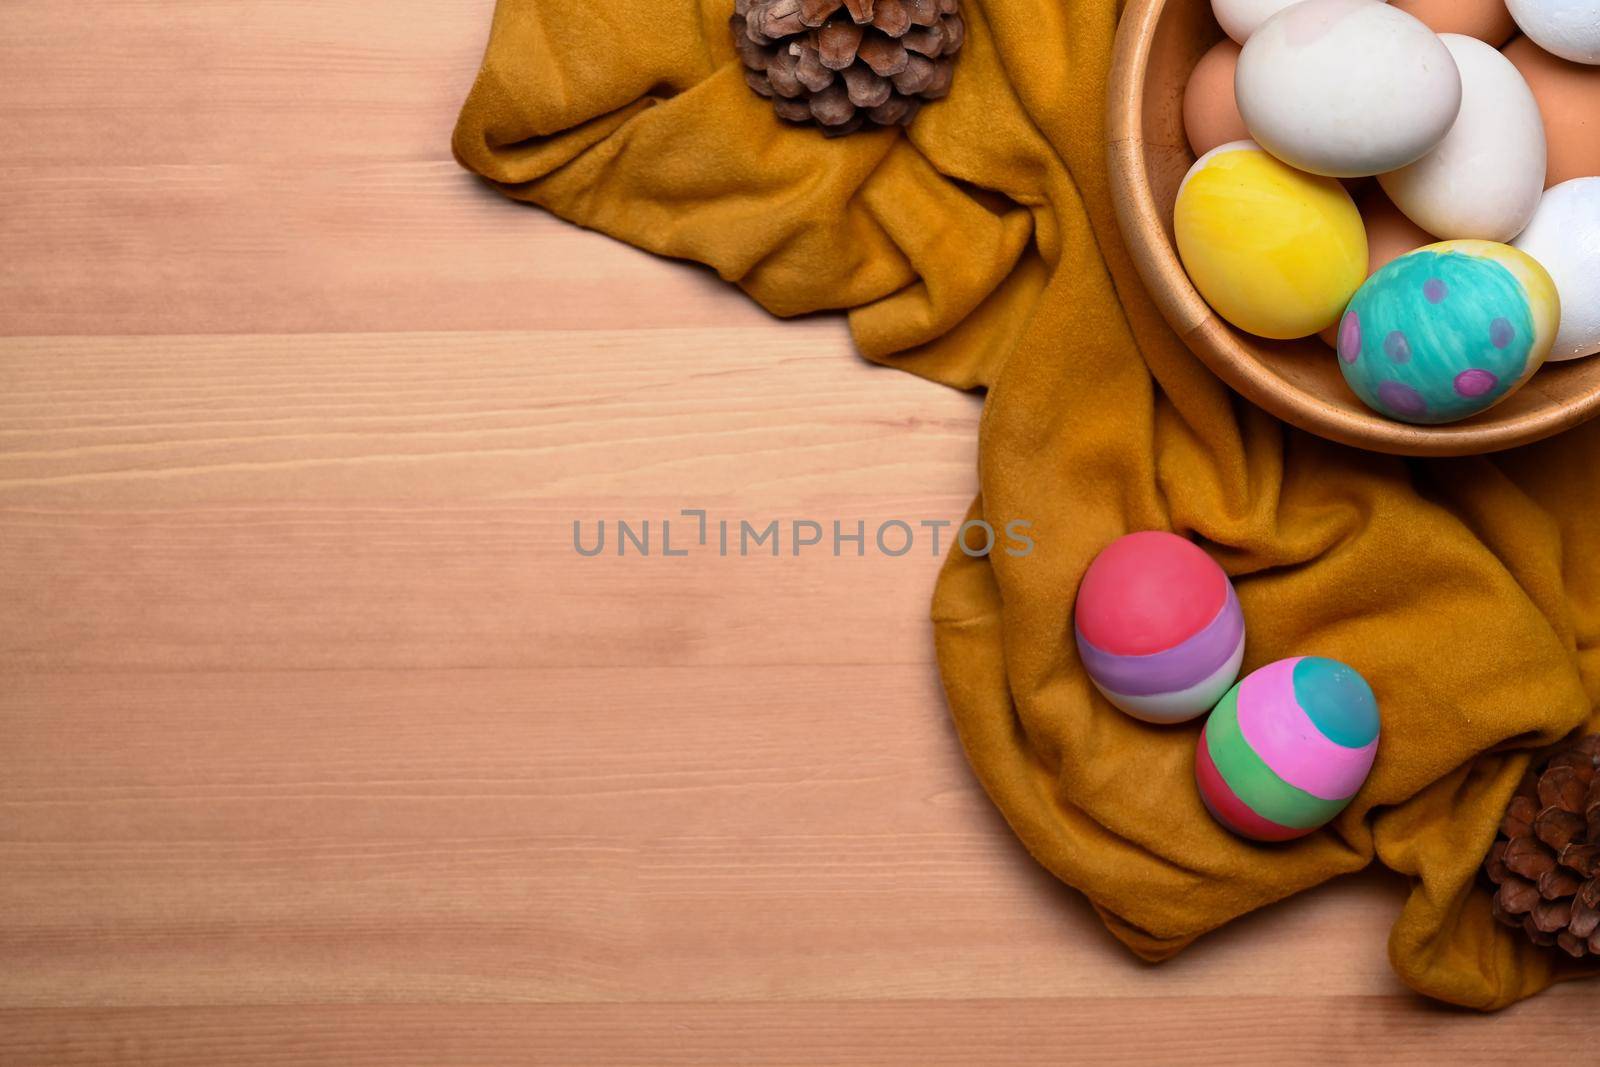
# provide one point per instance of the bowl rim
(1213, 341)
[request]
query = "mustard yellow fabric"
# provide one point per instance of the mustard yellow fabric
(980, 250)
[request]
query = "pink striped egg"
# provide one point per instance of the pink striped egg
(1159, 628)
(1288, 748)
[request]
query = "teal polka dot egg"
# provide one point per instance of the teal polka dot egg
(1448, 330)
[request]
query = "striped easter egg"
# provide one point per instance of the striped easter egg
(1159, 628)
(1287, 748)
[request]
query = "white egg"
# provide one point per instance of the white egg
(1240, 18)
(1564, 237)
(1346, 88)
(1566, 28)
(1484, 179)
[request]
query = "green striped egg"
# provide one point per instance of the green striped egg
(1287, 748)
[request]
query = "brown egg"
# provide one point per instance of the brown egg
(1390, 235)
(1569, 100)
(1210, 113)
(1487, 20)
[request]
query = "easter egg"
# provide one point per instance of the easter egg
(1487, 20)
(1484, 179)
(1210, 114)
(1564, 237)
(1569, 101)
(1566, 28)
(1287, 748)
(1159, 629)
(1274, 251)
(1448, 330)
(1346, 87)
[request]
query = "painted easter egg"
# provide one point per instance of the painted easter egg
(1159, 627)
(1274, 251)
(1287, 748)
(1566, 28)
(1484, 179)
(1346, 87)
(1564, 237)
(1448, 330)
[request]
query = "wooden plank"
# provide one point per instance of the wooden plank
(1154, 1030)
(341, 501)
(174, 82)
(774, 410)
(301, 247)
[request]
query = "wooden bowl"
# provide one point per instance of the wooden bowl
(1158, 44)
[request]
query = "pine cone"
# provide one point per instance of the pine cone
(846, 63)
(1546, 860)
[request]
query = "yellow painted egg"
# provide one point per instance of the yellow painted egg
(1274, 251)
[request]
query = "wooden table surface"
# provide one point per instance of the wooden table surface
(320, 744)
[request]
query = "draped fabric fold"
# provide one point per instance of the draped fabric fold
(979, 248)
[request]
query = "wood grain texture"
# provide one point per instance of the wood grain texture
(1235, 1030)
(319, 744)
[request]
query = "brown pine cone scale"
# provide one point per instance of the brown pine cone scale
(846, 64)
(1545, 863)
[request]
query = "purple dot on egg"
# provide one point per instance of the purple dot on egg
(1402, 399)
(1435, 290)
(1475, 382)
(1396, 347)
(1350, 337)
(1501, 332)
